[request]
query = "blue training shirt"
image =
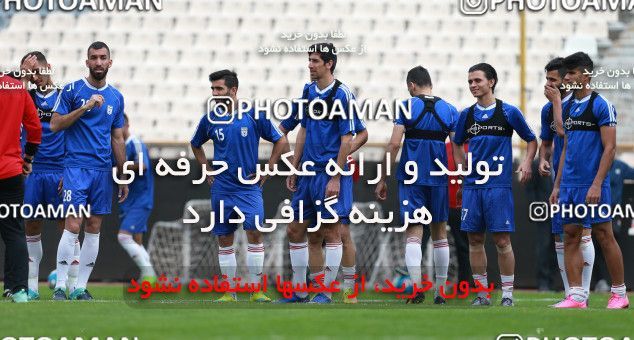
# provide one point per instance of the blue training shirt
(236, 144)
(52, 149)
(584, 149)
(484, 147)
(549, 133)
(88, 140)
(141, 193)
(323, 137)
(425, 151)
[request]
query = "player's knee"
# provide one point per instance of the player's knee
(332, 234)
(294, 233)
(315, 239)
(476, 248)
(254, 237)
(33, 227)
(225, 240)
(504, 247)
(124, 238)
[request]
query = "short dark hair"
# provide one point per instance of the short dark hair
(327, 52)
(578, 59)
(489, 72)
(556, 64)
(419, 76)
(230, 77)
(97, 45)
(38, 55)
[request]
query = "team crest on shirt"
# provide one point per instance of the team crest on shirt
(109, 109)
(244, 131)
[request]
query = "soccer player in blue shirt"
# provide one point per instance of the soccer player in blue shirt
(583, 180)
(41, 187)
(135, 211)
(320, 141)
(90, 111)
(315, 240)
(488, 126)
(236, 139)
(432, 121)
(552, 142)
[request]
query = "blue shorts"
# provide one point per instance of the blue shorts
(88, 187)
(576, 196)
(558, 226)
(434, 198)
(487, 209)
(40, 188)
(250, 204)
(313, 188)
(134, 220)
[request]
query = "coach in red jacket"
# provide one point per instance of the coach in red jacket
(16, 108)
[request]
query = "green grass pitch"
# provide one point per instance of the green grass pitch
(194, 316)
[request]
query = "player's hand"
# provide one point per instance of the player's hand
(95, 100)
(526, 172)
(552, 93)
(554, 196)
(210, 180)
(544, 168)
(594, 195)
(60, 186)
(291, 183)
(381, 190)
(30, 63)
(123, 192)
(333, 186)
(26, 168)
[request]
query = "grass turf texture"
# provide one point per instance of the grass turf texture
(194, 316)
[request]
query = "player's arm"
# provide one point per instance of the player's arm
(608, 139)
(118, 148)
(392, 148)
(33, 127)
(517, 121)
(334, 184)
(358, 141)
(545, 153)
(554, 196)
(64, 121)
(554, 96)
(138, 154)
(291, 181)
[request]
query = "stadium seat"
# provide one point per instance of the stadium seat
(44, 38)
(178, 40)
(25, 22)
(163, 90)
(195, 23)
(115, 40)
(200, 7)
(124, 23)
(155, 23)
(57, 21)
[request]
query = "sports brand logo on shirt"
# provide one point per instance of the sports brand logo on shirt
(244, 131)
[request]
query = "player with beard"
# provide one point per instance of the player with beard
(91, 113)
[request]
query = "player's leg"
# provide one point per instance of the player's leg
(316, 255)
(227, 262)
(297, 237)
(473, 223)
(478, 261)
(73, 269)
(348, 266)
(66, 253)
(87, 257)
(441, 257)
(614, 260)
(255, 263)
(558, 231)
(413, 258)
(587, 252)
(506, 263)
(334, 253)
(33, 229)
(150, 272)
(130, 237)
(437, 199)
(574, 263)
(499, 216)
